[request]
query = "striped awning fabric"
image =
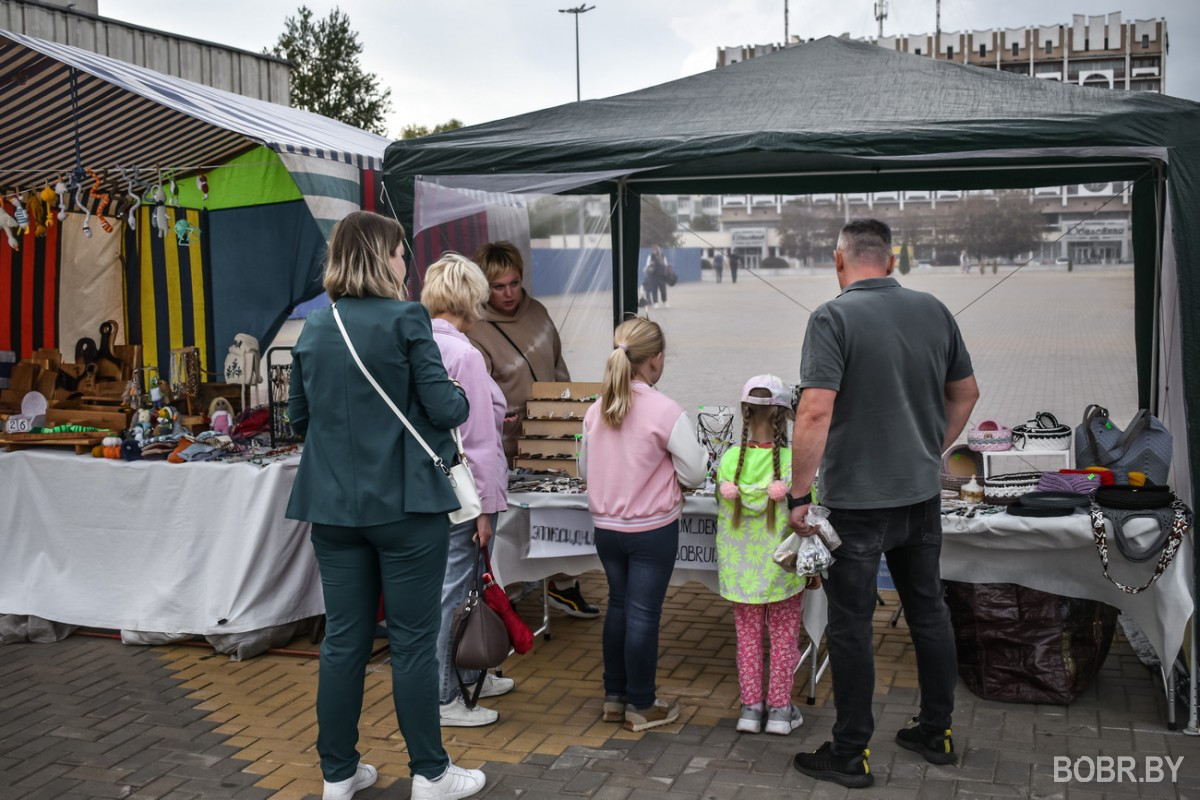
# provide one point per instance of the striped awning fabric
(124, 115)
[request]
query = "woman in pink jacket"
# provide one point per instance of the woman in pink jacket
(638, 446)
(454, 293)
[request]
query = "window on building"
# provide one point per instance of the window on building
(1087, 44)
(1145, 41)
(1049, 46)
(983, 51)
(950, 51)
(1105, 42)
(918, 51)
(1016, 49)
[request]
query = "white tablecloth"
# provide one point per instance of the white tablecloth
(150, 546)
(1058, 554)
(510, 551)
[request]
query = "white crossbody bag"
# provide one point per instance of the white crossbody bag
(460, 477)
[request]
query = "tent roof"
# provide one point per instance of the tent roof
(131, 115)
(830, 105)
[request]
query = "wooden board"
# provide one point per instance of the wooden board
(557, 409)
(553, 428)
(536, 448)
(81, 442)
(111, 419)
(566, 466)
(553, 390)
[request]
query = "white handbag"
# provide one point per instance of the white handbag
(459, 475)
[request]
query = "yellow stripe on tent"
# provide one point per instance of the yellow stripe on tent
(149, 320)
(174, 294)
(199, 331)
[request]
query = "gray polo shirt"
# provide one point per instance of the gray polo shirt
(888, 352)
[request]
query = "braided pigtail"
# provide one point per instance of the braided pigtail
(737, 475)
(779, 423)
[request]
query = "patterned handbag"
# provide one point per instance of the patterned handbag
(1144, 446)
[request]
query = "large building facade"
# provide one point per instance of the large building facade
(1086, 224)
(79, 24)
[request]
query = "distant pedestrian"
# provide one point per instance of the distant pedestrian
(719, 264)
(735, 261)
(655, 277)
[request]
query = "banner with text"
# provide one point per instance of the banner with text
(565, 532)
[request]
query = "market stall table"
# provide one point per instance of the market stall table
(199, 548)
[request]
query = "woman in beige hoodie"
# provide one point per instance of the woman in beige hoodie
(520, 345)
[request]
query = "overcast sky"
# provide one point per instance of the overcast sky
(480, 60)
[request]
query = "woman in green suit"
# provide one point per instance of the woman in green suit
(377, 504)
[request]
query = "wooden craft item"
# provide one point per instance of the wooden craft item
(108, 367)
(552, 428)
(49, 356)
(86, 351)
(557, 409)
(33, 414)
(47, 379)
(81, 442)
(112, 419)
(565, 390)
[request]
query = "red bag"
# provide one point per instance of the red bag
(518, 632)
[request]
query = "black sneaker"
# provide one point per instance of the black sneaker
(853, 772)
(937, 747)
(571, 602)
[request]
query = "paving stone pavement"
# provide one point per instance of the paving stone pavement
(91, 718)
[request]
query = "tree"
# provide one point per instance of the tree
(417, 131)
(326, 76)
(1003, 225)
(705, 223)
(807, 230)
(658, 227)
(904, 264)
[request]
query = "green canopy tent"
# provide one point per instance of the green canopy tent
(841, 116)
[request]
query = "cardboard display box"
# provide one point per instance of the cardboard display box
(565, 466)
(576, 390)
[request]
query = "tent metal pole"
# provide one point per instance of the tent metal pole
(1155, 339)
(619, 254)
(882, 171)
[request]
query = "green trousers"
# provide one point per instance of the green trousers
(406, 561)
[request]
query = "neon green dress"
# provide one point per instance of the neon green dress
(745, 571)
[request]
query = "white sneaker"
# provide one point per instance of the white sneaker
(666, 304)
(344, 790)
(455, 782)
(455, 714)
(783, 720)
(494, 686)
(657, 305)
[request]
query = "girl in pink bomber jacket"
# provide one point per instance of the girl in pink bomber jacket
(638, 446)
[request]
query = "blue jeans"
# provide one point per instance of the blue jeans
(405, 560)
(457, 583)
(638, 567)
(911, 539)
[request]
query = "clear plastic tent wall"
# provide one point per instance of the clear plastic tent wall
(563, 239)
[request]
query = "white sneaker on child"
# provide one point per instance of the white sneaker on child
(455, 782)
(783, 720)
(751, 719)
(363, 777)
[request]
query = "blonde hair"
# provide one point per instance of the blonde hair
(358, 263)
(455, 285)
(497, 258)
(635, 341)
(778, 416)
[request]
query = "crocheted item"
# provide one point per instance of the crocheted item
(989, 436)
(777, 491)
(729, 490)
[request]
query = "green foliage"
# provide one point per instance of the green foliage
(807, 230)
(904, 264)
(773, 262)
(1000, 226)
(705, 222)
(658, 227)
(417, 131)
(326, 75)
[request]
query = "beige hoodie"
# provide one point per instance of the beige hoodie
(539, 356)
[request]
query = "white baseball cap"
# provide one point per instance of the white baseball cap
(780, 392)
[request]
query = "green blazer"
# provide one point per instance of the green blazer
(360, 466)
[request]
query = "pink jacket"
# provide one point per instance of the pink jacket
(633, 472)
(481, 431)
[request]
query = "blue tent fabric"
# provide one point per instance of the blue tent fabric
(263, 257)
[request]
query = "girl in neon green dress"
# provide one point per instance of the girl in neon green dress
(752, 518)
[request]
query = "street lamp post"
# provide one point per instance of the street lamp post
(583, 8)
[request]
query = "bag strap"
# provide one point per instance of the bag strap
(1090, 413)
(1046, 415)
(520, 352)
(437, 461)
(1139, 423)
(1179, 528)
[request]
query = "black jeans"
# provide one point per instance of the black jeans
(911, 538)
(638, 567)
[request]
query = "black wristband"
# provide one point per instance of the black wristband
(796, 502)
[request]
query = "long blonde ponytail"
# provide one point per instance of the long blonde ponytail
(635, 341)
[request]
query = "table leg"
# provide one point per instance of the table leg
(1193, 726)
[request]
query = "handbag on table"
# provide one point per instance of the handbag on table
(1043, 433)
(1120, 504)
(480, 638)
(459, 475)
(1144, 446)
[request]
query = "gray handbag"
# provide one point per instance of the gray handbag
(1144, 446)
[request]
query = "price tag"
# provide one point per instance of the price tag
(18, 423)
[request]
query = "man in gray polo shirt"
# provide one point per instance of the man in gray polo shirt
(888, 387)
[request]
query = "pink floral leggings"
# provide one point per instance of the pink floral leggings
(783, 624)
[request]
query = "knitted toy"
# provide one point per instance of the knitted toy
(184, 230)
(112, 446)
(37, 214)
(87, 211)
(202, 185)
(9, 224)
(136, 197)
(160, 211)
(105, 225)
(49, 196)
(20, 215)
(220, 414)
(62, 191)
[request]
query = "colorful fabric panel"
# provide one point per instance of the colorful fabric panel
(29, 292)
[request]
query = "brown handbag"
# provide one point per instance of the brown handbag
(480, 638)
